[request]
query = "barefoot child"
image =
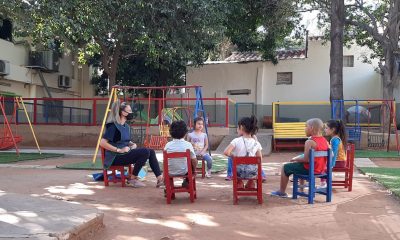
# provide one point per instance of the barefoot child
(245, 145)
(300, 165)
(199, 141)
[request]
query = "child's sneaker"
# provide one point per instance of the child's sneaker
(279, 194)
(323, 185)
(208, 173)
(264, 179)
(136, 183)
(185, 183)
(228, 178)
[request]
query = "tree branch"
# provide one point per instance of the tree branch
(373, 32)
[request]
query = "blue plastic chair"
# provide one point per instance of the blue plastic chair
(311, 178)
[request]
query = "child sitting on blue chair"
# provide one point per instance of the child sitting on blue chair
(300, 165)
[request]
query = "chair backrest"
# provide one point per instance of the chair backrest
(350, 155)
(246, 160)
(328, 154)
(167, 156)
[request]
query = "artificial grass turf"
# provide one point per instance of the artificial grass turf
(219, 164)
(388, 177)
(376, 154)
(10, 157)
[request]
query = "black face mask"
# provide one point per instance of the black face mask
(129, 116)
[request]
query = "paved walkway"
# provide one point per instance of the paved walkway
(364, 162)
(23, 216)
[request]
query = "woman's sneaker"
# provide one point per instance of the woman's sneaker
(208, 173)
(228, 178)
(136, 183)
(279, 194)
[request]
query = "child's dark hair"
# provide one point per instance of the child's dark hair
(197, 119)
(178, 129)
(340, 129)
(249, 125)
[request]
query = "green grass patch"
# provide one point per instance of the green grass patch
(83, 165)
(219, 164)
(388, 177)
(376, 154)
(10, 157)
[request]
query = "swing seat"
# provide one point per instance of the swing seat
(7, 143)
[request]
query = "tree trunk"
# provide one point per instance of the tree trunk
(336, 54)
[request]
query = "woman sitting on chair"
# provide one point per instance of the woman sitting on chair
(119, 150)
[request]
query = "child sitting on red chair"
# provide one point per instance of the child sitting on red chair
(300, 165)
(245, 145)
(178, 166)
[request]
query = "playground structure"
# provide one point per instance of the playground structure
(376, 116)
(288, 123)
(167, 114)
(10, 104)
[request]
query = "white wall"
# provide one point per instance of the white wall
(310, 78)
(217, 79)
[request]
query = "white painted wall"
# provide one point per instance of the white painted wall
(26, 82)
(217, 79)
(310, 78)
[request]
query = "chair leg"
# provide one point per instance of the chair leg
(168, 189)
(122, 171)
(114, 176)
(203, 169)
(235, 197)
(105, 177)
(259, 190)
(191, 190)
(350, 188)
(311, 191)
(195, 190)
(295, 186)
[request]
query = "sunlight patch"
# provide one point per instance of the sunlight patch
(168, 223)
(202, 219)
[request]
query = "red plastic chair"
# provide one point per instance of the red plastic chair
(257, 191)
(201, 169)
(347, 182)
(113, 170)
(170, 188)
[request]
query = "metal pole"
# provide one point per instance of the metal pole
(30, 125)
(112, 95)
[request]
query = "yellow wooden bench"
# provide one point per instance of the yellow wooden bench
(289, 131)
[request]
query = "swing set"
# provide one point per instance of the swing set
(167, 114)
(376, 116)
(10, 104)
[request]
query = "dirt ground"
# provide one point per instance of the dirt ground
(368, 212)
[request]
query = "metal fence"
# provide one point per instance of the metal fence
(91, 111)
